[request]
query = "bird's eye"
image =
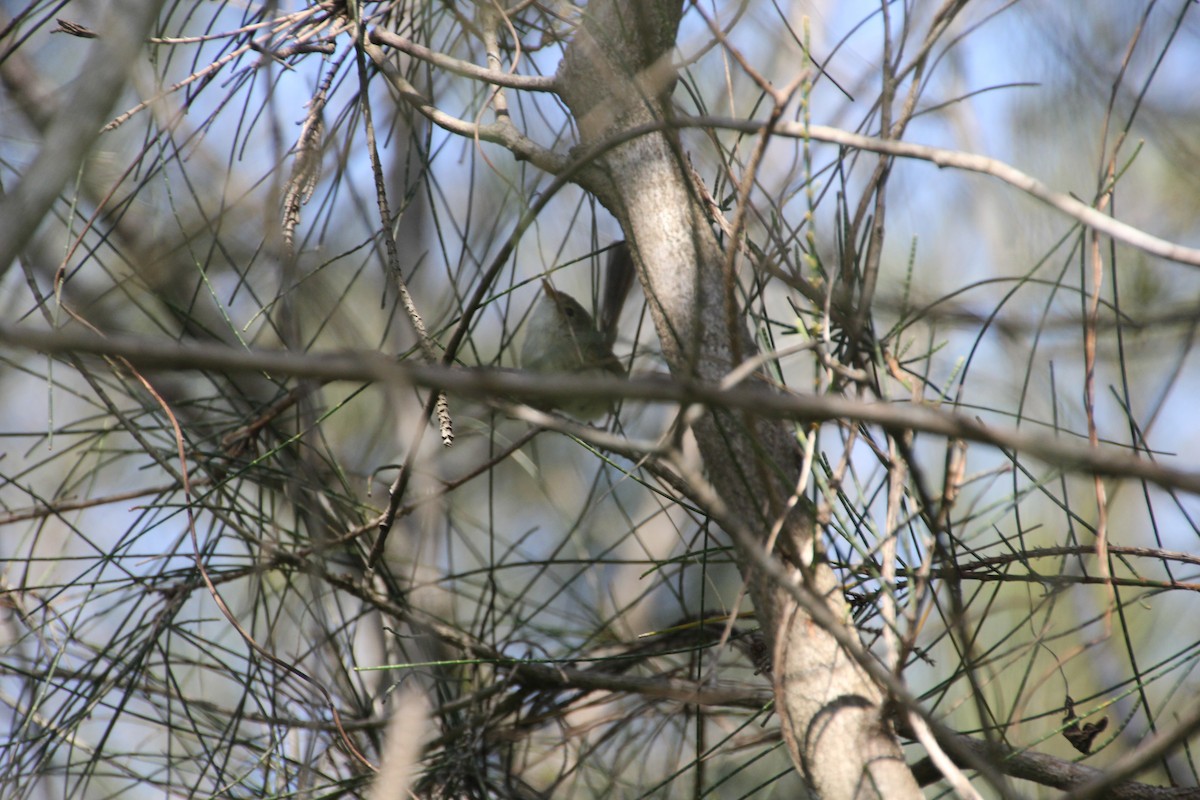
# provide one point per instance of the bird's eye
(570, 312)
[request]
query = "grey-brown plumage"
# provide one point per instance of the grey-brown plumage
(561, 335)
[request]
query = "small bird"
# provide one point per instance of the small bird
(562, 337)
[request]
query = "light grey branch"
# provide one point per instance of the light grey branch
(502, 132)
(509, 80)
(496, 384)
(971, 162)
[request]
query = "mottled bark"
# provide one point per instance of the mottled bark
(616, 76)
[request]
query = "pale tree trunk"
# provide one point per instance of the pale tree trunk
(615, 76)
